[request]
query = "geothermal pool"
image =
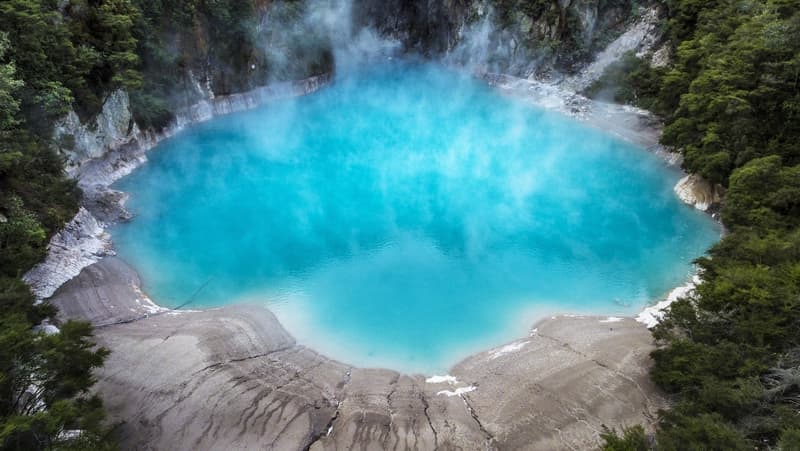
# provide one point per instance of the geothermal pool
(407, 216)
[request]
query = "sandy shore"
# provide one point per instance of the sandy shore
(233, 378)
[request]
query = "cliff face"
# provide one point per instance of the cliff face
(282, 39)
(112, 127)
(511, 36)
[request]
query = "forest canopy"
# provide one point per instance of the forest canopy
(730, 354)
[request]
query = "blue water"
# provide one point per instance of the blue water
(407, 216)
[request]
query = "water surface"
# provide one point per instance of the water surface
(407, 216)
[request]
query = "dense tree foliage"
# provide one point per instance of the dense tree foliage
(71, 56)
(730, 351)
(51, 60)
(730, 95)
(632, 439)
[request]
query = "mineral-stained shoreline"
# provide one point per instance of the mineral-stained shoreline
(233, 378)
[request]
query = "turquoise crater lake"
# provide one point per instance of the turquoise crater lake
(407, 216)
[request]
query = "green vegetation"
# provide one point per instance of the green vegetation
(632, 439)
(730, 353)
(48, 64)
(68, 58)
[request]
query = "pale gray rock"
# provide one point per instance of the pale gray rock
(661, 57)
(80, 243)
(106, 204)
(698, 192)
(112, 127)
(556, 388)
(225, 379)
(104, 293)
(233, 378)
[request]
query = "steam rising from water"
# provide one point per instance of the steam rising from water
(295, 35)
(407, 215)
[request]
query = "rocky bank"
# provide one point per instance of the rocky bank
(233, 378)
